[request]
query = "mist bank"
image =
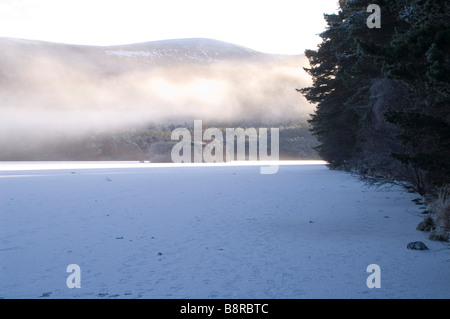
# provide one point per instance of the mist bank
(54, 94)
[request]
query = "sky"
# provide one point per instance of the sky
(270, 26)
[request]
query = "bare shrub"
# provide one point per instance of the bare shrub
(440, 209)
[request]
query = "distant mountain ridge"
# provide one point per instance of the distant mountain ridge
(53, 91)
(33, 69)
(209, 48)
(156, 52)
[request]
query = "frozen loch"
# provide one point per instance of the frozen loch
(137, 230)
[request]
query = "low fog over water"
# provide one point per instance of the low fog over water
(54, 91)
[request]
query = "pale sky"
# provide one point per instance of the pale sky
(271, 26)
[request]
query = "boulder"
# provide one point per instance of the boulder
(417, 245)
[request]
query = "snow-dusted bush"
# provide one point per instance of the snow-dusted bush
(440, 209)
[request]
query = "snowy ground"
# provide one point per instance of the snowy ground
(155, 231)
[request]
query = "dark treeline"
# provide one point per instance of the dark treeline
(382, 94)
(151, 143)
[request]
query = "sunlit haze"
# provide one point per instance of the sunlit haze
(207, 69)
(281, 26)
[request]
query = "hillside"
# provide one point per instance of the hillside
(55, 97)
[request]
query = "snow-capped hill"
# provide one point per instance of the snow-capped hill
(76, 90)
(124, 58)
(197, 49)
(156, 52)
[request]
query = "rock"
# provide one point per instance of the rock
(417, 245)
(438, 236)
(426, 225)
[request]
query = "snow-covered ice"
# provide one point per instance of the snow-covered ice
(209, 231)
